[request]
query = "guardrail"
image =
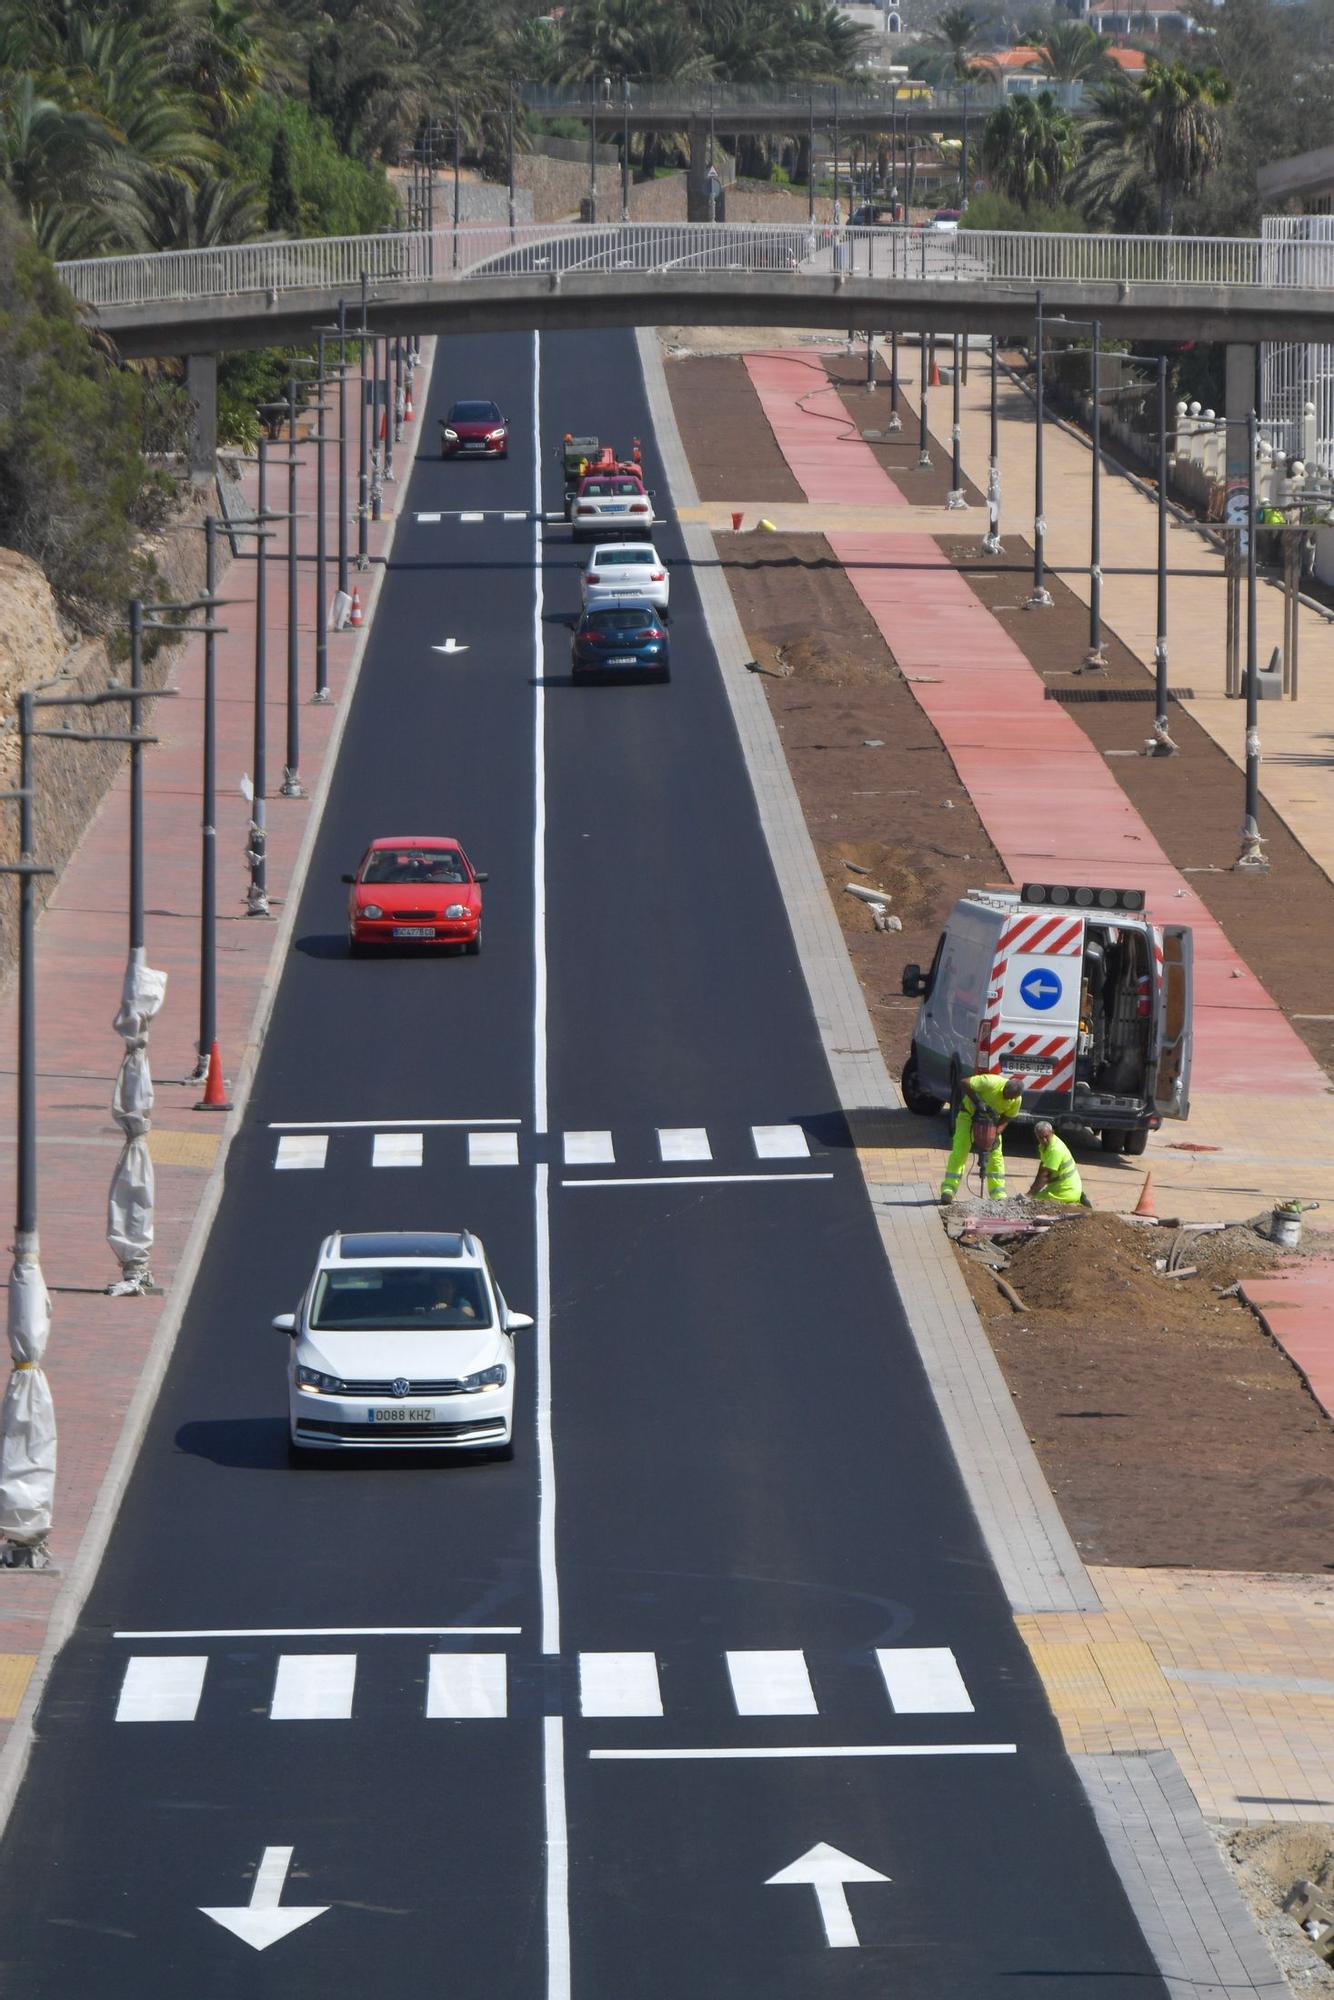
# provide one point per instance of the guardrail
(807, 254)
(800, 102)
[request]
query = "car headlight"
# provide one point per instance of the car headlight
(489, 1378)
(493, 437)
(321, 1385)
(370, 910)
(456, 910)
(453, 436)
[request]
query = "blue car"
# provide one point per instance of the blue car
(625, 638)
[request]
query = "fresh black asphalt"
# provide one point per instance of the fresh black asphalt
(746, 1454)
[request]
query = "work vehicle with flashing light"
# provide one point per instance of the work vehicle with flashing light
(1072, 987)
(581, 456)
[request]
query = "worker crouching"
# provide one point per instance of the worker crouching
(998, 1099)
(1057, 1177)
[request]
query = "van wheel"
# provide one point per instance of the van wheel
(1136, 1142)
(918, 1101)
(1112, 1141)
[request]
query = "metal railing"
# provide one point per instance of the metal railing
(799, 102)
(334, 265)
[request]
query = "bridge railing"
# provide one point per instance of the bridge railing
(807, 254)
(821, 101)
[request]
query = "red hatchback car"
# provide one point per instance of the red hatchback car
(414, 889)
(474, 430)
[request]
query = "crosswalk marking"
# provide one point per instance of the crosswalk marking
(429, 520)
(683, 1142)
(302, 1149)
(923, 1680)
(771, 1684)
(397, 1149)
(493, 1149)
(161, 1687)
(313, 1687)
(470, 518)
(515, 514)
(467, 1687)
(780, 1142)
(589, 1149)
(619, 1684)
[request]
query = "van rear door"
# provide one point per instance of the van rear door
(1172, 1027)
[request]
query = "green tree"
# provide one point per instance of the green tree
(336, 195)
(1075, 53)
(283, 209)
(1029, 146)
(1113, 181)
(1185, 135)
(956, 32)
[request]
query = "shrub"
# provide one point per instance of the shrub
(316, 190)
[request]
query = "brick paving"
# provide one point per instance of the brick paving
(102, 1350)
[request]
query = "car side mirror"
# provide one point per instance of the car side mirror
(286, 1323)
(516, 1322)
(481, 875)
(348, 878)
(912, 981)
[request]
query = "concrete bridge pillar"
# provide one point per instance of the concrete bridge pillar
(697, 178)
(1241, 396)
(201, 389)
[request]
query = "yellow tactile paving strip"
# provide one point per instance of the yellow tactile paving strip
(825, 517)
(1253, 1725)
(183, 1149)
(15, 1673)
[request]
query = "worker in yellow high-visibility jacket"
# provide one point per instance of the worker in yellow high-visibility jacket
(1057, 1177)
(1002, 1098)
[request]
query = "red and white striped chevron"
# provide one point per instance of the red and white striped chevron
(1036, 933)
(1054, 1053)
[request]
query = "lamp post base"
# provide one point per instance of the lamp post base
(321, 698)
(1252, 858)
(292, 787)
(1094, 661)
(895, 421)
(924, 460)
(1038, 600)
(954, 499)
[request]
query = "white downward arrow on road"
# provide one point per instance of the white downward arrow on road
(261, 1922)
(828, 1871)
(450, 646)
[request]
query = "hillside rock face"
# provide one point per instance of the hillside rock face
(32, 643)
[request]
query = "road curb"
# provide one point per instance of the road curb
(82, 1572)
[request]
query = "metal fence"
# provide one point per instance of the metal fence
(494, 251)
(1297, 377)
(822, 101)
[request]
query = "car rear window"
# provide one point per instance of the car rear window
(615, 618)
(600, 489)
(639, 558)
(399, 1298)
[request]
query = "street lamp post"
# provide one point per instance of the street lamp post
(955, 499)
(1252, 854)
(342, 446)
(366, 344)
(1095, 659)
(458, 167)
(991, 541)
(509, 155)
(321, 536)
(1161, 744)
(1039, 598)
(928, 362)
(625, 149)
(895, 420)
(292, 787)
(592, 151)
(810, 159)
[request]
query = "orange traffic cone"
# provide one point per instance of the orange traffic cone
(407, 408)
(354, 610)
(933, 380)
(215, 1096)
(1144, 1206)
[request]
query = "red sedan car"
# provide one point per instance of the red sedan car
(474, 430)
(414, 889)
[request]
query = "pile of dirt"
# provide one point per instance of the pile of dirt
(1268, 1862)
(1097, 1262)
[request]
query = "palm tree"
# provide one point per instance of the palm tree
(50, 155)
(1185, 133)
(1072, 52)
(227, 58)
(165, 213)
(1113, 183)
(956, 32)
(1029, 146)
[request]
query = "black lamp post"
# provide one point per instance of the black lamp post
(1095, 659)
(991, 541)
(1161, 744)
(1039, 597)
(928, 362)
(895, 420)
(1252, 854)
(955, 499)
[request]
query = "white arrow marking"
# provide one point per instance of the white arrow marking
(261, 1922)
(450, 646)
(828, 1871)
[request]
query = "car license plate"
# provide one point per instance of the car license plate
(474, 444)
(404, 1413)
(613, 510)
(624, 660)
(413, 930)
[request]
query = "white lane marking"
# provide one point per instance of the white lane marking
(472, 517)
(265, 1918)
(751, 1752)
(546, 1450)
(589, 1149)
(683, 1142)
(493, 1149)
(558, 1860)
(514, 514)
(380, 1124)
(332, 1632)
(430, 520)
(313, 1687)
(305, 1150)
(690, 1180)
(466, 1686)
(923, 1680)
(619, 1684)
(397, 1149)
(161, 1688)
(539, 776)
(828, 1871)
(771, 1684)
(780, 1142)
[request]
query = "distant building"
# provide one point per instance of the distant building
(1306, 180)
(1146, 18)
(1020, 73)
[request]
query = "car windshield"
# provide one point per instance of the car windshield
(601, 489)
(617, 619)
(414, 865)
(474, 413)
(639, 558)
(399, 1298)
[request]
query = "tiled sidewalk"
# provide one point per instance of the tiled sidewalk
(106, 1355)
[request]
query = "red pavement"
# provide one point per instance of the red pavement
(100, 1347)
(1295, 1307)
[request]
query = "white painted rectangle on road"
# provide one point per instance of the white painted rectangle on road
(684, 1142)
(493, 1149)
(619, 1684)
(923, 1680)
(780, 1142)
(397, 1149)
(466, 1687)
(516, 514)
(313, 1687)
(302, 1149)
(589, 1149)
(472, 517)
(771, 1684)
(163, 1687)
(430, 520)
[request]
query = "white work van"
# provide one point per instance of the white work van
(1072, 988)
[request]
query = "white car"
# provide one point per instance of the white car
(402, 1339)
(611, 503)
(625, 569)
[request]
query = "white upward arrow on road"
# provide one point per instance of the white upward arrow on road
(828, 1871)
(261, 1921)
(450, 646)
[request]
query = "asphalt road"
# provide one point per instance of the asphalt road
(729, 1478)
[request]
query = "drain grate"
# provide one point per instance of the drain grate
(1117, 694)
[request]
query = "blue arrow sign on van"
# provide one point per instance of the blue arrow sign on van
(1040, 989)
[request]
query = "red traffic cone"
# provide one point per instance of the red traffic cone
(408, 412)
(933, 380)
(215, 1096)
(354, 610)
(384, 425)
(1144, 1206)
